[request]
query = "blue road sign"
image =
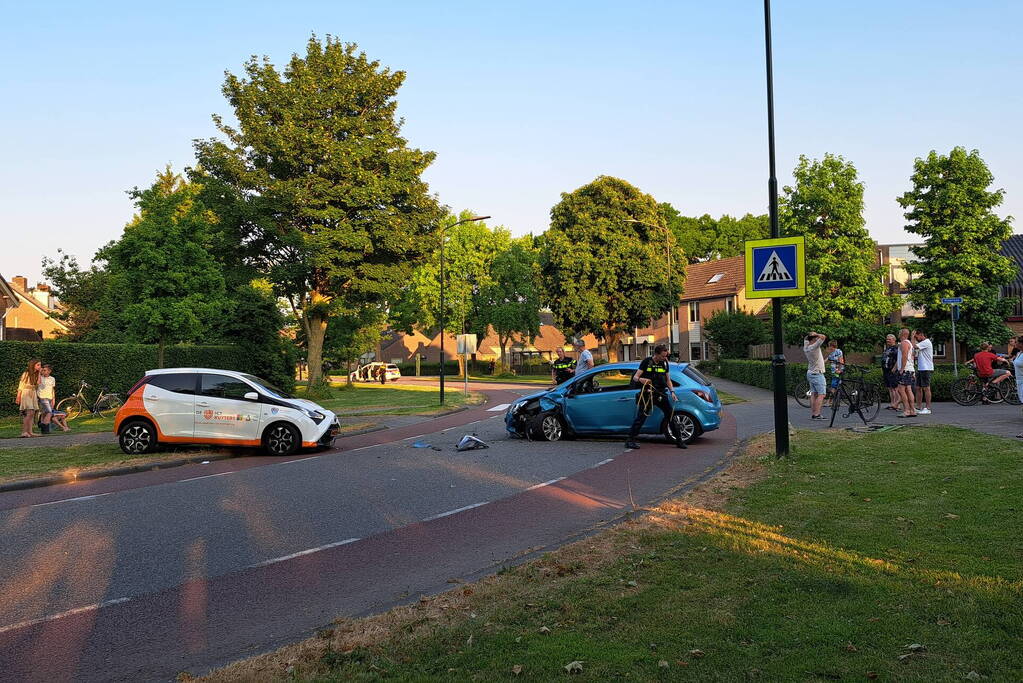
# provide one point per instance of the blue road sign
(952, 300)
(775, 268)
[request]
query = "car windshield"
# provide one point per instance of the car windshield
(693, 373)
(268, 388)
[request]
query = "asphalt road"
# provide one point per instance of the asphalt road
(143, 576)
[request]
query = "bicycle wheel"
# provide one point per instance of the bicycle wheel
(870, 402)
(72, 405)
(801, 392)
(108, 405)
(965, 391)
(1010, 391)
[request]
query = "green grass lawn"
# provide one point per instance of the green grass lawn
(10, 427)
(728, 399)
(889, 556)
(395, 399)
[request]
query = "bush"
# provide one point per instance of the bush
(114, 366)
(429, 368)
(732, 333)
(758, 373)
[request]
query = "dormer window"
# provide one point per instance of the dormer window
(717, 276)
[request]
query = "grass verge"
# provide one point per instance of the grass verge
(23, 463)
(729, 399)
(10, 427)
(889, 556)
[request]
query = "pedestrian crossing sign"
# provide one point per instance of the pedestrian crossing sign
(775, 268)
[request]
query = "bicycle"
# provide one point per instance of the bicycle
(857, 394)
(966, 391)
(77, 404)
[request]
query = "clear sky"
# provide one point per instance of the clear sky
(521, 100)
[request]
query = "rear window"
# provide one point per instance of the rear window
(176, 382)
(694, 374)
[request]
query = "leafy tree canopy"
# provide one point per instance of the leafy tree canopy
(330, 203)
(732, 333)
(952, 207)
(510, 303)
(843, 278)
(706, 238)
(604, 261)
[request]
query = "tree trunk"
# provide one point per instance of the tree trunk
(503, 342)
(317, 330)
(159, 352)
(611, 338)
(348, 373)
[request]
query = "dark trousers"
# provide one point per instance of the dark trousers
(661, 401)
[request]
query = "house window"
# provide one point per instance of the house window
(717, 277)
(729, 305)
(939, 349)
(695, 352)
(694, 311)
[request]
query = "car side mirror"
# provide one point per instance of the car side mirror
(251, 396)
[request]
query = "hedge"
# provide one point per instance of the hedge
(429, 368)
(758, 373)
(114, 366)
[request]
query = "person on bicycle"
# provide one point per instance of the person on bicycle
(985, 361)
(836, 363)
(924, 370)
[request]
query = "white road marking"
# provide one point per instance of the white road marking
(205, 476)
(71, 500)
(61, 615)
(546, 483)
(304, 552)
(498, 407)
(452, 512)
(602, 462)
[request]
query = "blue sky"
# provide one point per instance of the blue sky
(520, 100)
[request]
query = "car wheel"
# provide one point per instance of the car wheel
(137, 437)
(682, 423)
(281, 439)
(547, 426)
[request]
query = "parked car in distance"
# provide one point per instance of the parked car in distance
(370, 372)
(603, 402)
(219, 407)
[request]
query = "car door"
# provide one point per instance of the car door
(601, 402)
(223, 414)
(170, 399)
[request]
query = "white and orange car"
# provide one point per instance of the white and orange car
(219, 407)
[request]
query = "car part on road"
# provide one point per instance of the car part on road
(470, 443)
(547, 426)
(137, 437)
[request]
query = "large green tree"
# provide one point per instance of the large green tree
(603, 272)
(845, 294)
(510, 303)
(163, 286)
(80, 291)
(952, 207)
(705, 238)
(333, 209)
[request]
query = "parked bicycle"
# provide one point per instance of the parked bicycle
(801, 390)
(856, 394)
(104, 405)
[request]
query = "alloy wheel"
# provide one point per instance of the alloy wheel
(683, 425)
(551, 428)
(280, 440)
(136, 439)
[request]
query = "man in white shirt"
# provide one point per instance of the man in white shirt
(924, 370)
(815, 372)
(585, 361)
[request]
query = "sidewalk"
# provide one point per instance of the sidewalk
(756, 416)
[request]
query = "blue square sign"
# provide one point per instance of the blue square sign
(775, 268)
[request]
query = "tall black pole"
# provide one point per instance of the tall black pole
(781, 405)
(442, 317)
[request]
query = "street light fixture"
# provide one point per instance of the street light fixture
(667, 243)
(464, 220)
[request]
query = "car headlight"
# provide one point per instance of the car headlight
(314, 415)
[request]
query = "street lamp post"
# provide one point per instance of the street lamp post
(667, 244)
(464, 220)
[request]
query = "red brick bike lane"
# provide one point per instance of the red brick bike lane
(107, 485)
(206, 623)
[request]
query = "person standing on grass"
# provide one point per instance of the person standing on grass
(836, 363)
(585, 361)
(815, 372)
(907, 373)
(891, 380)
(45, 393)
(924, 370)
(28, 402)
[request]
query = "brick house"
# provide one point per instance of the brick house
(8, 302)
(33, 318)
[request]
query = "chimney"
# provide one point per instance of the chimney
(20, 282)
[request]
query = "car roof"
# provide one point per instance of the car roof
(632, 365)
(165, 371)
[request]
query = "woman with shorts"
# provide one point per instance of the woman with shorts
(28, 403)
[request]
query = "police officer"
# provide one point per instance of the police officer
(561, 367)
(654, 371)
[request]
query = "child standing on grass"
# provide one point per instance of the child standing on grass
(45, 392)
(28, 403)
